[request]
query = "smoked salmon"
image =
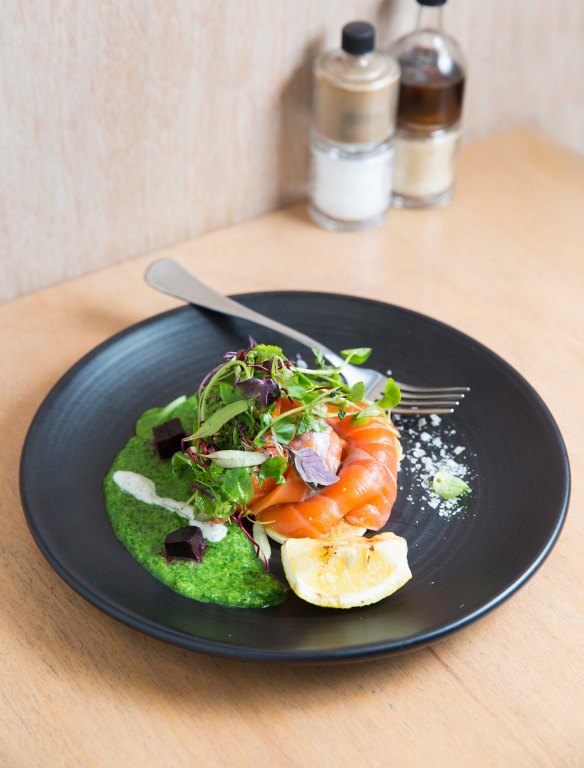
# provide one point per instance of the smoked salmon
(365, 457)
(313, 455)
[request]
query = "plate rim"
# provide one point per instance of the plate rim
(360, 652)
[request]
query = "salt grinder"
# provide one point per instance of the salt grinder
(354, 120)
(429, 111)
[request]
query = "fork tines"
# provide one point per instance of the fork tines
(432, 390)
(426, 400)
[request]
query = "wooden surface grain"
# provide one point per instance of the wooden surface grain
(503, 263)
(127, 127)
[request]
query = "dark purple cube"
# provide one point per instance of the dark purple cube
(168, 438)
(185, 543)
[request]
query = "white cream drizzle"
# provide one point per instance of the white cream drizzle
(143, 489)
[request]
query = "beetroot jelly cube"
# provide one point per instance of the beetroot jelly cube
(186, 543)
(168, 438)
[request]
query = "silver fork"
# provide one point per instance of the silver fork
(167, 276)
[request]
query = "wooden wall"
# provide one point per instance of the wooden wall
(127, 125)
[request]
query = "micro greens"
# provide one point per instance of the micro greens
(217, 376)
(250, 411)
(234, 459)
(357, 392)
(237, 486)
(261, 353)
(356, 356)
(362, 417)
(284, 429)
(391, 396)
(286, 416)
(274, 468)
(219, 419)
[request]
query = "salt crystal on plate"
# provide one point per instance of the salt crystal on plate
(427, 451)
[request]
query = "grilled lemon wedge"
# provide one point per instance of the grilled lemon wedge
(347, 572)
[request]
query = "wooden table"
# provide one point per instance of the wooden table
(504, 264)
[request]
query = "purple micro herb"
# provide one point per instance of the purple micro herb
(197, 459)
(266, 366)
(185, 544)
(241, 428)
(197, 487)
(312, 468)
(238, 519)
(266, 391)
(240, 353)
(208, 376)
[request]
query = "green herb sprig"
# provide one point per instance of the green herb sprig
(229, 420)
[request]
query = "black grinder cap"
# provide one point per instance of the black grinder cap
(358, 38)
(431, 3)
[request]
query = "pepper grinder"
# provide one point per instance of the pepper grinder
(355, 101)
(429, 111)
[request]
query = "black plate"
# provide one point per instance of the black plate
(463, 566)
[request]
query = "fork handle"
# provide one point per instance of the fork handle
(169, 277)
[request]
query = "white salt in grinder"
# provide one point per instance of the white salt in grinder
(354, 120)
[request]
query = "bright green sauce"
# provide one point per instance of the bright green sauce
(229, 574)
